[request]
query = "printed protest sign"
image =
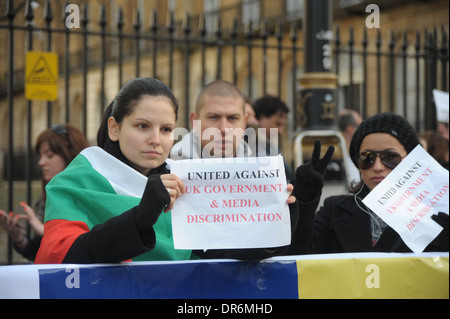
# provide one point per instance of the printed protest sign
(441, 102)
(231, 203)
(407, 198)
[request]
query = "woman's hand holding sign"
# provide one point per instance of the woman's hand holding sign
(291, 198)
(174, 186)
(443, 220)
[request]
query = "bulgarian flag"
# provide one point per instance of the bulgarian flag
(95, 187)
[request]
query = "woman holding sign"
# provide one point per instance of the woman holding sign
(94, 210)
(344, 223)
(112, 203)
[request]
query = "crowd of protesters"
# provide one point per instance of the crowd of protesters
(112, 202)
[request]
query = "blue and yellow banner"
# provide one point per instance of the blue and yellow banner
(337, 276)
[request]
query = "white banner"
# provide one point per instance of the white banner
(407, 198)
(231, 203)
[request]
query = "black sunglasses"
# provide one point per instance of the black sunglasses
(388, 158)
(59, 129)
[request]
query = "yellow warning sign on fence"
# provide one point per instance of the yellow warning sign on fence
(41, 76)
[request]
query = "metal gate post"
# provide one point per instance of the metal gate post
(318, 93)
(318, 83)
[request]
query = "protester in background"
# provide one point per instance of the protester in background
(443, 130)
(436, 145)
(271, 113)
(252, 121)
(348, 122)
(344, 223)
(56, 147)
(251, 132)
(220, 108)
(113, 196)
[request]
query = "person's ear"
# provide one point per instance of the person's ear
(113, 129)
(194, 117)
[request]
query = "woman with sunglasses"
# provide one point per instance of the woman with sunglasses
(344, 223)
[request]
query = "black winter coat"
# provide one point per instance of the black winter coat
(340, 226)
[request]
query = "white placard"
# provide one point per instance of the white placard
(407, 198)
(441, 102)
(231, 203)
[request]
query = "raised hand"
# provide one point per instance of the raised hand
(35, 223)
(309, 176)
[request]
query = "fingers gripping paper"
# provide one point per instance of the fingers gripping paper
(231, 203)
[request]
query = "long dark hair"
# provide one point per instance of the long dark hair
(124, 104)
